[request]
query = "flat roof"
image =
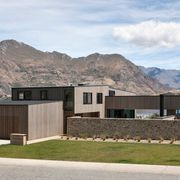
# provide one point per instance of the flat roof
(174, 95)
(37, 87)
(22, 102)
(111, 88)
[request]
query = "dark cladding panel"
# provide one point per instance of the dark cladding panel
(52, 93)
(132, 102)
(13, 119)
(172, 101)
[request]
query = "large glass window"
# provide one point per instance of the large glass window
(99, 98)
(120, 113)
(178, 111)
(44, 95)
(87, 98)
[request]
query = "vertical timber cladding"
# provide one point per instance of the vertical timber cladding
(45, 120)
(172, 102)
(13, 119)
(133, 102)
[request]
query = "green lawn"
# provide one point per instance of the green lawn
(96, 152)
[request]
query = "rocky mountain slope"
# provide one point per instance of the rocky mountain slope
(170, 78)
(23, 65)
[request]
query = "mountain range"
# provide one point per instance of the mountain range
(23, 65)
(170, 78)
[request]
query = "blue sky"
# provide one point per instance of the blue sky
(145, 31)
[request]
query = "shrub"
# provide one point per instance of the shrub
(116, 136)
(94, 137)
(172, 141)
(161, 140)
(137, 138)
(103, 137)
(149, 140)
(126, 138)
(83, 135)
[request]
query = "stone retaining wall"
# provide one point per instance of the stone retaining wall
(154, 129)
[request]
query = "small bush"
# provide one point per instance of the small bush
(103, 137)
(172, 141)
(126, 138)
(161, 140)
(116, 136)
(83, 135)
(94, 137)
(137, 138)
(149, 140)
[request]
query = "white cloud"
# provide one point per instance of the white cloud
(150, 34)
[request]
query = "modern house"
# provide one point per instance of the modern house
(81, 100)
(77, 100)
(41, 112)
(131, 106)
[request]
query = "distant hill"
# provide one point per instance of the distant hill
(23, 65)
(170, 78)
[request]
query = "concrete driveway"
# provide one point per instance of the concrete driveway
(3, 142)
(46, 170)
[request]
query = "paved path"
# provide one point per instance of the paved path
(2, 142)
(18, 169)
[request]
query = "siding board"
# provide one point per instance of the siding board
(13, 119)
(132, 102)
(45, 120)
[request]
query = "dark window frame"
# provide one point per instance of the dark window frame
(86, 98)
(112, 93)
(26, 96)
(99, 98)
(68, 100)
(44, 91)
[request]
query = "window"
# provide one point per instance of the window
(99, 98)
(111, 93)
(120, 113)
(178, 111)
(27, 95)
(68, 100)
(21, 95)
(87, 98)
(44, 95)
